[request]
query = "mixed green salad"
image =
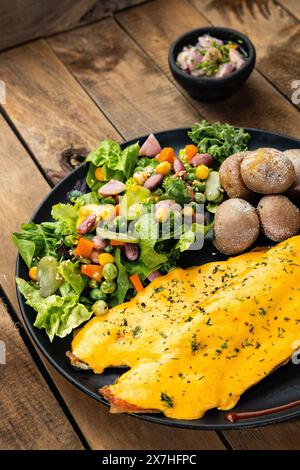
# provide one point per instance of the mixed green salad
(138, 210)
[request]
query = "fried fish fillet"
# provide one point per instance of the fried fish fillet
(196, 339)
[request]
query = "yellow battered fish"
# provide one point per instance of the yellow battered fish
(196, 339)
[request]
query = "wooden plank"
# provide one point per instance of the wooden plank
(49, 108)
(130, 90)
(31, 418)
(37, 422)
(281, 436)
(22, 20)
(293, 6)
(105, 431)
(273, 30)
(101, 430)
(257, 104)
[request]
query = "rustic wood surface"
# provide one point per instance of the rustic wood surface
(293, 6)
(280, 41)
(111, 79)
(22, 20)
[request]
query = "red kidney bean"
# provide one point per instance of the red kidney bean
(153, 275)
(202, 159)
(112, 188)
(132, 251)
(99, 243)
(154, 181)
(94, 256)
(178, 168)
(178, 165)
(87, 224)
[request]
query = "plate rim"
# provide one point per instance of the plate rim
(153, 418)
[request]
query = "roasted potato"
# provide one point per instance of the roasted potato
(230, 177)
(267, 171)
(279, 217)
(294, 191)
(236, 226)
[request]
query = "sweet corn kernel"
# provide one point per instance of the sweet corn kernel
(163, 168)
(140, 177)
(99, 174)
(105, 258)
(107, 212)
(33, 273)
(162, 214)
(84, 211)
(202, 172)
(187, 211)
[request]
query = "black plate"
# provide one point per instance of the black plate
(281, 387)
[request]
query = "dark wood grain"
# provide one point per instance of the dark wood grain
(293, 6)
(130, 90)
(31, 418)
(22, 20)
(257, 104)
(273, 30)
(30, 415)
(49, 109)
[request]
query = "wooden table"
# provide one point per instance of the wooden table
(67, 92)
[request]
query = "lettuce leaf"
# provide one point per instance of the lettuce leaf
(149, 260)
(67, 214)
(70, 272)
(57, 315)
(123, 281)
(38, 240)
(135, 195)
(189, 237)
(88, 198)
(117, 163)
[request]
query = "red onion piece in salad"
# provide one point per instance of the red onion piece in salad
(154, 275)
(132, 251)
(94, 256)
(99, 243)
(150, 147)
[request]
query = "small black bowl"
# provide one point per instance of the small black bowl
(206, 88)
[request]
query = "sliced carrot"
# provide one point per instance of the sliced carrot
(99, 174)
(117, 243)
(190, 151)
(33, 273)
(167, 154)
(117, 209)
(84, 248)
(136, 282)
(92, 270)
